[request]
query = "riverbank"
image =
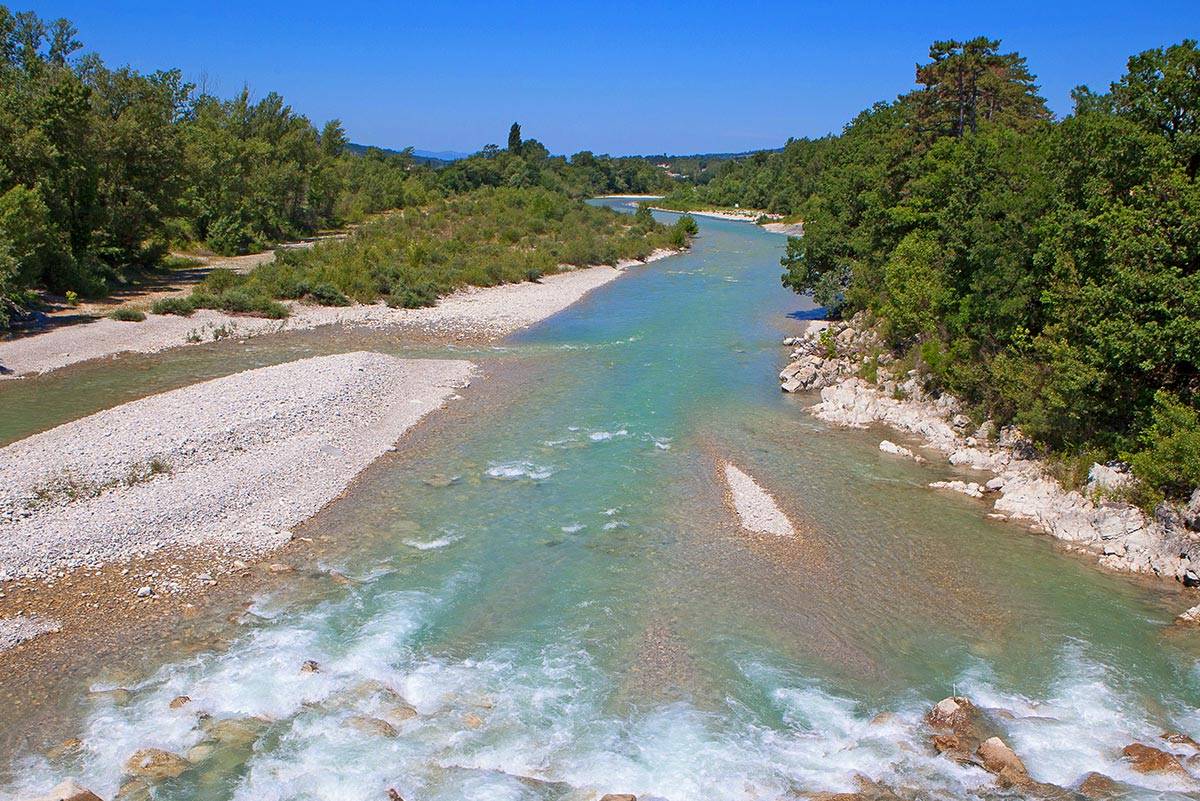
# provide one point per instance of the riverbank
(747, 216)
(835, 358)
(230, 465)
(472, 313)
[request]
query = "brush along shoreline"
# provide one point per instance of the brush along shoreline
(470, 313)
(828, 356)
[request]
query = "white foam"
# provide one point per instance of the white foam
(510, 471)
(434, 544)
(604, 436)
(573, 528)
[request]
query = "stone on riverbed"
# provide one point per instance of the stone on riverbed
(999, 758)
(887, 446)
(969, 488)
(68, 790)
(373, 726)
(1147, 759)
(156, 764)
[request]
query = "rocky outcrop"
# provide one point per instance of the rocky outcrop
(838, 357)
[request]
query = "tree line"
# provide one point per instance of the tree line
(1047, 272)
(103, 171)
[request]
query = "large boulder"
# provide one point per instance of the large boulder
(68, 790)
(156, 764)
(957, 726)
(1147, 759)
(998, 758)
(1191, 512)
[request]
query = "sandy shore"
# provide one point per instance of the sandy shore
(231, 464)
(487, 313)
(756, 508)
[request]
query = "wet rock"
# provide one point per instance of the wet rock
(618, 797)
(179, 701)
(279, 567)
(134, 790)
(68, 790)
(156, 764)
(1098, 786)
(310, 666)
(473, 720)
(144, 592)
(1147, 759)
(69, 747)
(1175, 738)
(887, 446)
(393, 795)
(369, 725)
(234, 732)
(958, 729)
(968, 488)
(997, 758)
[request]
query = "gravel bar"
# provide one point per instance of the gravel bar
(231, 464)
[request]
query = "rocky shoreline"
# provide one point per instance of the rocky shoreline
(836, 358)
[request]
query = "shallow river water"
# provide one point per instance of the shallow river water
(577, 611)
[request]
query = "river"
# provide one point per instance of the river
(557, 586)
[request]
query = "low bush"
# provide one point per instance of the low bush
(184, 307)
(127, 314)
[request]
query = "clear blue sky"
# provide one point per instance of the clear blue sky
(612, 77)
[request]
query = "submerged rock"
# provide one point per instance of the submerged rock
(969, 488)
(310, 666)
(887, 446)
(1098, 786)
(369, 725)
(68, 790)
(178, 701)
(618, 797)
(156, 764)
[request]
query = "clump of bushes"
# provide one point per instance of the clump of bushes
(480, 238)
(127, 314)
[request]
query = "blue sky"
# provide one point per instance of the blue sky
(612, 77)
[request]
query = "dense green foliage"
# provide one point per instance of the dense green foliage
(102, 170)
(410, 258)
(1048, 273)
(527, 163)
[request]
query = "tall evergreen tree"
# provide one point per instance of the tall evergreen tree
(514, 138)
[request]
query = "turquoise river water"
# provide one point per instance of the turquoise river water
(578, 613)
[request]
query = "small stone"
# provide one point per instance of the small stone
(278, 567)
(618, 797)
(1098, 786)
(473, 720)
(144, 592)
(156, 764)
(178, 701)
(310, 666)
(67, 747)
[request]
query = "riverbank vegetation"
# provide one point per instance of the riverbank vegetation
(410, 258)
(103, 171)
(1047, 272)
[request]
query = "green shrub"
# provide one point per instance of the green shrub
(221, 279)
(184, 307)
(323, 293)
(1168, 461)
(127, 314)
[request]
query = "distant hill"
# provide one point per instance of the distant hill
(434, 157)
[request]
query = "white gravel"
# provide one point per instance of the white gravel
(755, 507)
(231, 463)
(16, 630)
(491, 312)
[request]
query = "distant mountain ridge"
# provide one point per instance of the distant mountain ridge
(426, 156)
